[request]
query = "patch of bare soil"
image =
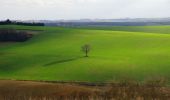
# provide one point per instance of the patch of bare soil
(33, 32)
(28, 90)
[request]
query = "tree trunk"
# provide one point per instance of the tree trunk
(86, 54)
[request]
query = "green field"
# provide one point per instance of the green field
(54, 53)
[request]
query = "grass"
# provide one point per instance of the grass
(148, 29)
(28, 90)
(137, 53)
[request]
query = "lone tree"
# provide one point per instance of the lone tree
(86, 49)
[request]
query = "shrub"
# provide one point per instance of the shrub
(11, 35)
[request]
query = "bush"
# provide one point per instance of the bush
(9, 35)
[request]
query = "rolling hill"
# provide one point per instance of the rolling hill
(54, 54)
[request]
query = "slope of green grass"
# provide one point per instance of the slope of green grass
(149, 29)
(55, 54)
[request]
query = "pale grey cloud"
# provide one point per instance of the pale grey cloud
(76, 9)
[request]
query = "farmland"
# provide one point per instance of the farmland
(54, 54)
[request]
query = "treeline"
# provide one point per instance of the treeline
(11, 35)
(8, 22)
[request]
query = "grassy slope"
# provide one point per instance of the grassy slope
(55, 54)
(151, 29)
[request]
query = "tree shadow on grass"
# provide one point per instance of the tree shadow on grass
(62, 61)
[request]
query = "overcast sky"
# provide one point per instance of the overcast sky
(80, 9)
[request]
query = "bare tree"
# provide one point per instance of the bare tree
(86, 49)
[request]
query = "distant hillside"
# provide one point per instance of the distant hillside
(91, 22)
(73, 24)
(109, 22)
